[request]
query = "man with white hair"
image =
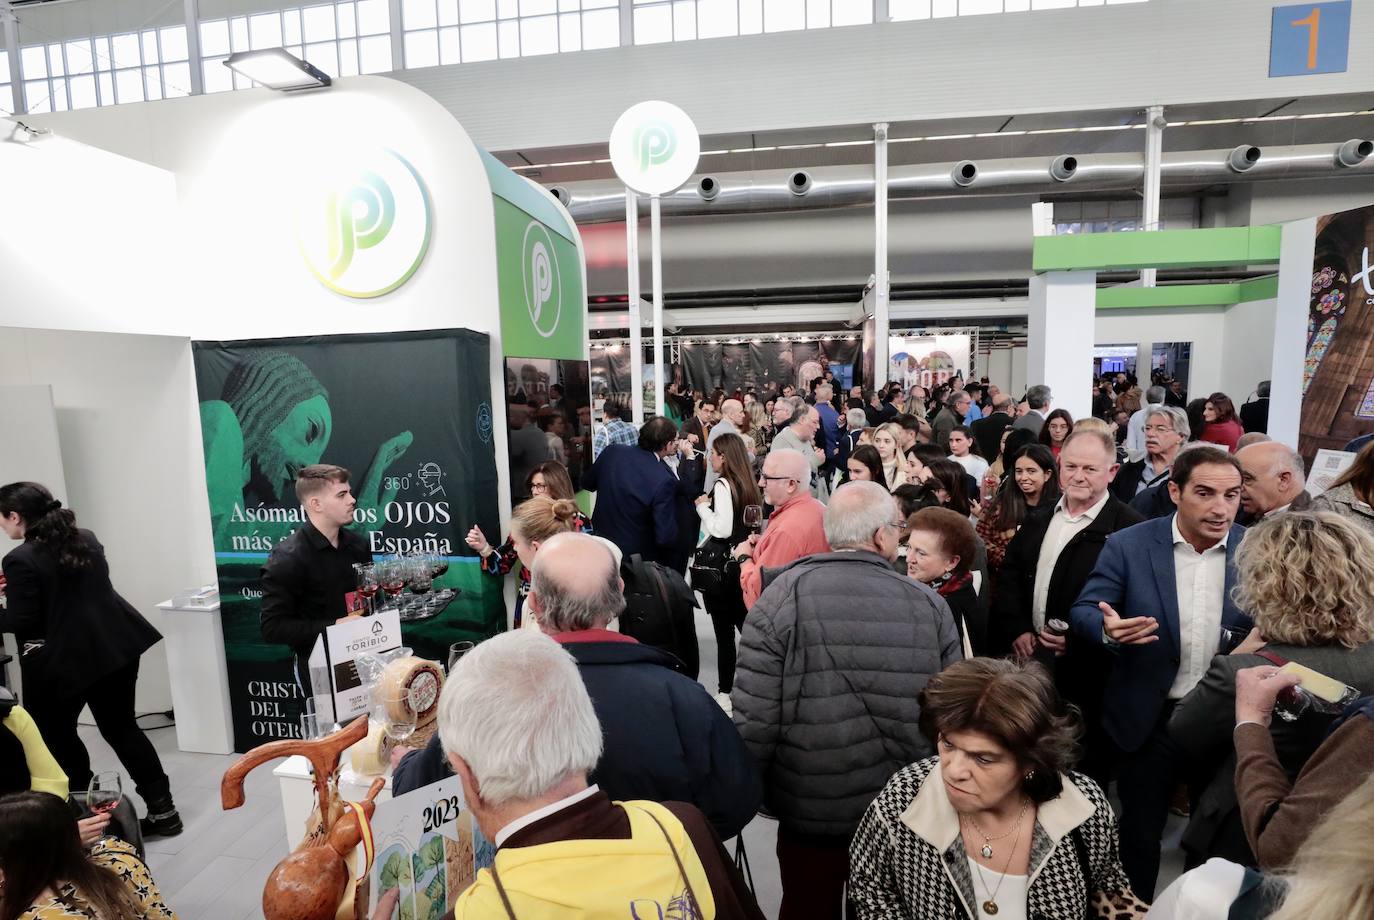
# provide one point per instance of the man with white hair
(666, 739)
(520, 731)
(1273, 480)
(731, 418)
(832, 658)
(800, 435)
(794, 530)
(1135, 428)
(855, 421)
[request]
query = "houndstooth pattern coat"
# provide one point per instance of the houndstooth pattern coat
(907, 860)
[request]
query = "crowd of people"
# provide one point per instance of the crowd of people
(971, 654)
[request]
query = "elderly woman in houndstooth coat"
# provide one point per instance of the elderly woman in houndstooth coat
(994, 827)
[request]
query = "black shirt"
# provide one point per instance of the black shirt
(303, 587)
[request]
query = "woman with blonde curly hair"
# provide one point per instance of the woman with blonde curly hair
(995, 822)
(1305, 577)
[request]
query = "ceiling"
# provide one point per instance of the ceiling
(1032, 135)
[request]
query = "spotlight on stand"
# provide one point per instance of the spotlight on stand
(276, 68)
(1243, 157)
(1353, 153)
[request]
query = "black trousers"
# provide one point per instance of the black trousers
(813, 871)
(726, 608)
(1145, 783)
(111, 699)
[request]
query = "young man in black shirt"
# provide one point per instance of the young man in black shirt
(308, 575)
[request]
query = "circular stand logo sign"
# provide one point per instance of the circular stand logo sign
(654, 147)
(364, 229)
(543, 286)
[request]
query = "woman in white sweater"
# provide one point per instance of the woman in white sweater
(722, 517)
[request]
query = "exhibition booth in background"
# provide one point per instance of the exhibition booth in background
(147, 228)
(204, 294)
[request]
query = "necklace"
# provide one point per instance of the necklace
(990, 905)
(986, 849)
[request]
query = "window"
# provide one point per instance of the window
(459, 31)
(343, 39)
(683, 20)
(1073, 217)
(901, 10)
(106, 70)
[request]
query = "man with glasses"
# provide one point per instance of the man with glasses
(833, 657)
(795, 529)
(1166, 428)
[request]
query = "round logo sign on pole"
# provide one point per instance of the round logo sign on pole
(654, 147)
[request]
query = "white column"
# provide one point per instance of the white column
(656, 265)
(9, 38)
(1154, 155)
(1296, 251)
(193, 52)
(636, 323)
(398, 45)
(880, 278)
(1060, 337)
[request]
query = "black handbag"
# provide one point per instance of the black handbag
(711, 563)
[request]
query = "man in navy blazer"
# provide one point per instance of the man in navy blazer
(1159, 598)
(635, 506)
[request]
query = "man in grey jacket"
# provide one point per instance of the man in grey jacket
(800, 436)
(833, 655)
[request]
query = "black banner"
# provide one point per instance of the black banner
(409, 414)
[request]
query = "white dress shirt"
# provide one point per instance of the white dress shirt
(539, 813)
(1063, 528)
(1200, 580)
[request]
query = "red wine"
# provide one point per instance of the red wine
(439, 568)
(394, 587)
(419, 589)
(104, 808)
(368, 591)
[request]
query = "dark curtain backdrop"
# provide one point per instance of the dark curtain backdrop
(764, 366)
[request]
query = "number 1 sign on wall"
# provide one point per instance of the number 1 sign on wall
(1309, 38)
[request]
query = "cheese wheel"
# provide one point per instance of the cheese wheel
(369, 756)
(421, 679)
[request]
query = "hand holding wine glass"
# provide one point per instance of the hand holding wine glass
(753, 517)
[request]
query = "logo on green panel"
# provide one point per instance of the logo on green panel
(655, 143)
(364, 228)
(543, 285)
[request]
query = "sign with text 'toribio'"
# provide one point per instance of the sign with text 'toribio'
(654, 147)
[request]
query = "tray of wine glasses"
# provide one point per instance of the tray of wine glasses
(417, 607)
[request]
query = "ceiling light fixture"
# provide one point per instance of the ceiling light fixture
(276, 68)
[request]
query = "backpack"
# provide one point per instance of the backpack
(659, 611)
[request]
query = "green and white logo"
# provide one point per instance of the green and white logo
(654, 147)
(543, 286)
(364, 228)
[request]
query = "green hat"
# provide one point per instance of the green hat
(262, 389)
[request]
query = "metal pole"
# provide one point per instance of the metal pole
(656, 250)
(880, 279)
(1154, 155)
(191, 8)
(9, 38)
(636, 324)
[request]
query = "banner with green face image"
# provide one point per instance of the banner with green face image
(409, 415)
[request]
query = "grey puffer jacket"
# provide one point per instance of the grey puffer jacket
(831, 660)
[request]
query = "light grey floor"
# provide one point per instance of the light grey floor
(216, 869)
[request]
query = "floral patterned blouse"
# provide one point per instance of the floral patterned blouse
(502, 559)
(112, 854)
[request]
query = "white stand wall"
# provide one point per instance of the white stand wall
(1060, 337)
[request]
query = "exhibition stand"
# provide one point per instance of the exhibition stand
(199, 678)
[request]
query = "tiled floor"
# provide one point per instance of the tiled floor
(216, 869)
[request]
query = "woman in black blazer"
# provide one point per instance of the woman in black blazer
(83, 643)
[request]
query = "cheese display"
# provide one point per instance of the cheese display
(410, 682)
(369, 756)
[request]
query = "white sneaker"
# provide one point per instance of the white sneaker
(724, 700)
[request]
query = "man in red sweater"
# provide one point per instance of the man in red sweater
(796, 528)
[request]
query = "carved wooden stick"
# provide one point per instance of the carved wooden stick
(323, 754)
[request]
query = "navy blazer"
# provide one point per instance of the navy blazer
(635, 507)
(1135, 574)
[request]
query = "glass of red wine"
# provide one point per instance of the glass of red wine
(438, 565)
(367, 585)
(392, 577)
(104, 792)
(753, 517)
(420, 579)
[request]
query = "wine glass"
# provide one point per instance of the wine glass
(418, 575)
(456, 651)
(104, 792)
(398, 712)
(753, 517)
(367, 585)
(392, 577)
(438, 565)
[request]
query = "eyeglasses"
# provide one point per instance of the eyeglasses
(787, 478)
(539, 487)
(900, 525)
